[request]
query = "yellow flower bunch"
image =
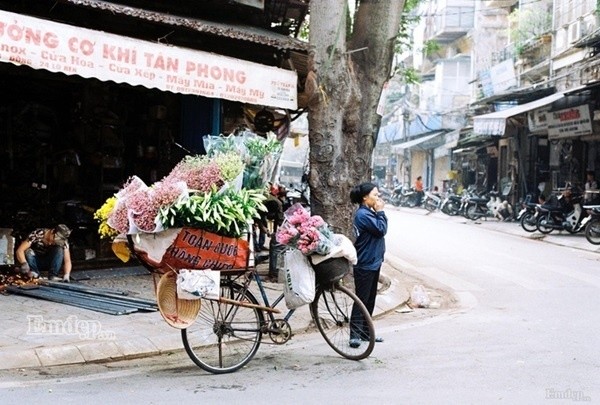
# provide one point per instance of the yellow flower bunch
(102, 214)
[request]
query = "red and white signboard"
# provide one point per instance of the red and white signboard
(56, 47)
(569, 122)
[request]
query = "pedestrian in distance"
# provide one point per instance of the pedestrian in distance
(370, 227)
(46, 249)
(419, 190)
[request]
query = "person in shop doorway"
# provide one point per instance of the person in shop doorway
(591, 189)
(419, 190)
(370, 227)
(46, 249)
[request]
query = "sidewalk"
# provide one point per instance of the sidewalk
(38, 333)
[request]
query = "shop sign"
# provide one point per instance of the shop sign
(62, 48)
(538, 119)
(570, 122)
(498, 78)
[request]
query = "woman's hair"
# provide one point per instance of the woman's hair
(359, 192)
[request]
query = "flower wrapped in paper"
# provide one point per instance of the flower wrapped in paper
(309, 234)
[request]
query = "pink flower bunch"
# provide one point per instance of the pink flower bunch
(198, 173)
(287, 235)
(118, 218)
(167, 191)
(309, 234)
(144, 208)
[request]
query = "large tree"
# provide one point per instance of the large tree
(351, 59)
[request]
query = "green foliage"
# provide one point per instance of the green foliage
(225, 213)
(430, 47)
(526, 24)
(411, 76)
(408, 19)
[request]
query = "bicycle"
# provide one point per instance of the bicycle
(227, 333)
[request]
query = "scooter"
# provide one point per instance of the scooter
(451, 204)
(551, 217)
(592, 229)
(432, 201)
(482, 207)
(527, 217)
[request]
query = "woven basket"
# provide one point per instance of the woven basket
(177, 312)
(331, 270)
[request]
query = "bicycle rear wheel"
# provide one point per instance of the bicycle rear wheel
(224, 336)
(331, 312)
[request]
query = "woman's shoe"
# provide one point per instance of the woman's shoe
(377, 339)
(354, 343)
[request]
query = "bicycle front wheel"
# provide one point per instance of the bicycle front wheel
(331, 310)
(224, 336)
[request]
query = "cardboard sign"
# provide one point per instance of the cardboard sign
(198, 249)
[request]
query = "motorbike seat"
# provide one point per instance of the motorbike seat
(481, 200)
(551, 208)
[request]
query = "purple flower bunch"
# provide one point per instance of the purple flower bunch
(309, 234)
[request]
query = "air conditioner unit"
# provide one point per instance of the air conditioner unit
(574, 31)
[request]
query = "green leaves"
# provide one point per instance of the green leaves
(226, 212)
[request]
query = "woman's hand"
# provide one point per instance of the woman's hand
(379, 204)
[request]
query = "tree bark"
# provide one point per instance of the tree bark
(346, 83)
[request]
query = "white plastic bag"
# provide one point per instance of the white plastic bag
(298, 280)
(419, 297)
(196, 284)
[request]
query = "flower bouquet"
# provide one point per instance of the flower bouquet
(309, 234)
(178, 199)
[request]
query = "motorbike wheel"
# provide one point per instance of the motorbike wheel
(592, 231)
(429, 205)
(544, 224)
(528, 222)
(472, 213)
(451, 209)
(410, 203)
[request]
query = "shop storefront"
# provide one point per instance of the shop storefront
(553, 139)
(82, 110)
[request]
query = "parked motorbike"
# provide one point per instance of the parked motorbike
(592, 229)
(432, 201)
(562, 216)
(527, 216)
(404, 197)
(451, 204)
(483, 206)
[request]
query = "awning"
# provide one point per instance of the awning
(495, 123)
(242, 32)
(423, 143)
(87, 53)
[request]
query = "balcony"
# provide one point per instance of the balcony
(450, 24)
(533, 58)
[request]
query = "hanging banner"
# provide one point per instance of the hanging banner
(60, 48)
(570, 122)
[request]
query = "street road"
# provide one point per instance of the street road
(525, 332)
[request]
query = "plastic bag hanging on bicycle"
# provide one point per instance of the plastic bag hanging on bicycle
(298, 279)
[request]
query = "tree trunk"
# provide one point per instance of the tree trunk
(345, 89)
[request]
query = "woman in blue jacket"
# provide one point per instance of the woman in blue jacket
(370, 227)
